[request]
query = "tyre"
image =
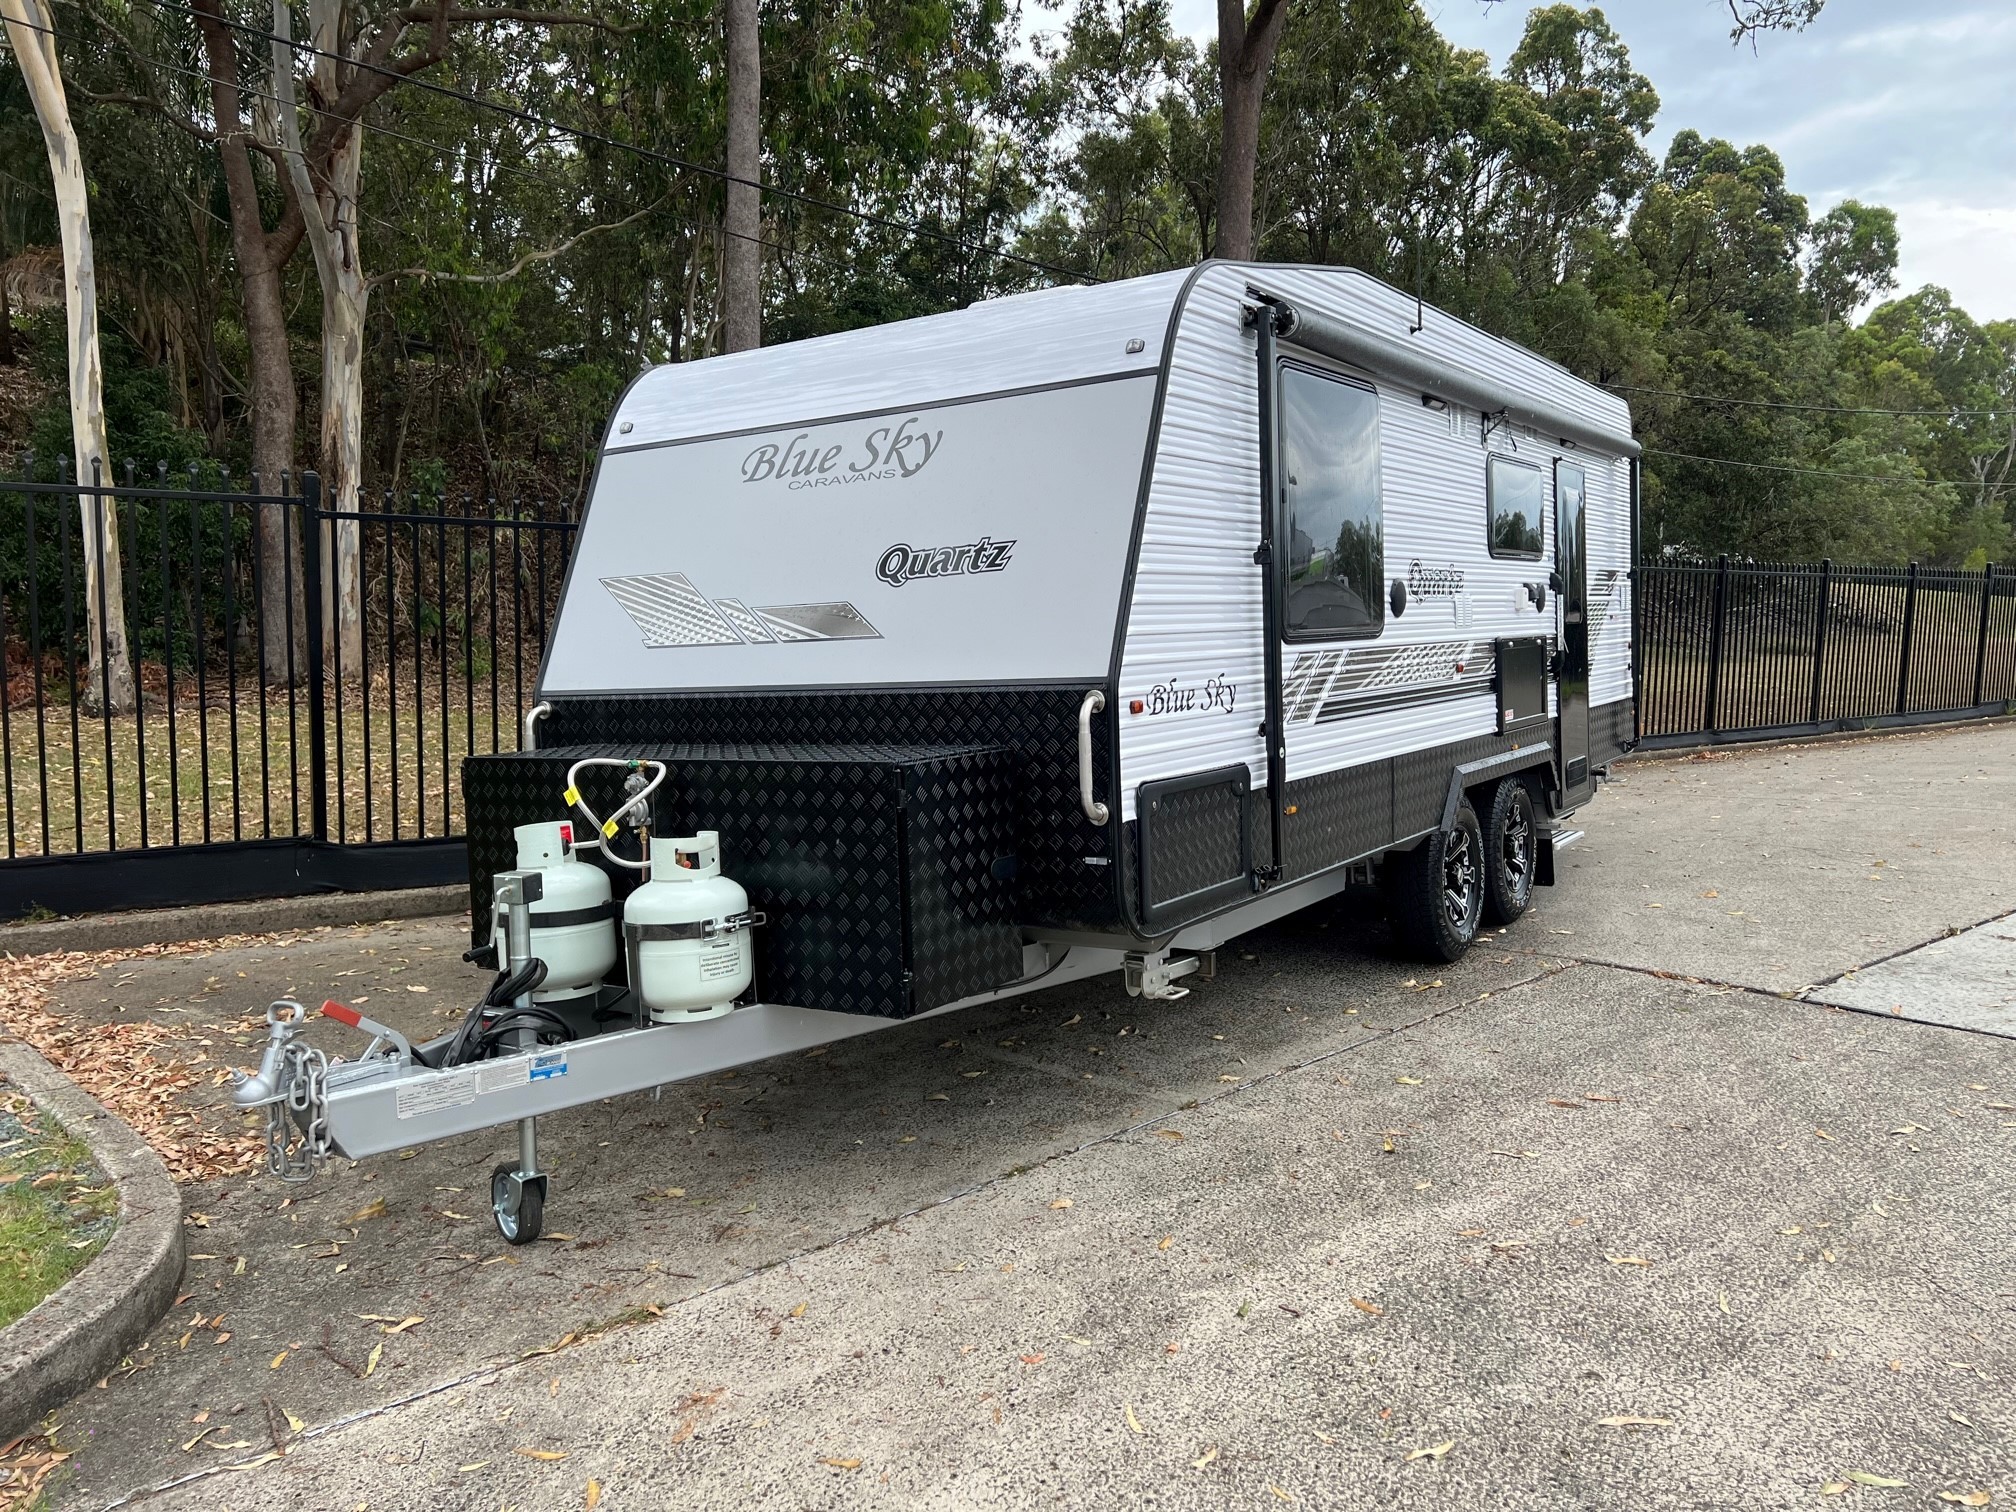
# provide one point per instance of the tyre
(521, 1227)
(1436, 890)
(1511, 848)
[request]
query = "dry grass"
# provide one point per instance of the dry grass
(407, 790)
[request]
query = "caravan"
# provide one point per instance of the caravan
(1074, 632)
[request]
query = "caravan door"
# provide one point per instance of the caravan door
(1571, 565)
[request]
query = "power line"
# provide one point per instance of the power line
(1786, 404)
(580, 133)
(1821, 472)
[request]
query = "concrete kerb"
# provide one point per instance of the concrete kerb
(163, 926)
(80, 1331)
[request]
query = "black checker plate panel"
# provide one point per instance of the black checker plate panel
(1195, 838)
(1609, 732)
(877, 865)
(1347, 814)
(1040, 725)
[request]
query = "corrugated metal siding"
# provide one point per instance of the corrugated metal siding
(1052, 336)
(1610, 647)
(1196, 610)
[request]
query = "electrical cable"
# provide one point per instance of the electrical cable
(1819, 472)
(1787, 404)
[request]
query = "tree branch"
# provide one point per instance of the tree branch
(422, 15)
(545, 254)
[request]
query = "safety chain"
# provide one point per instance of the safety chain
(304, 1110)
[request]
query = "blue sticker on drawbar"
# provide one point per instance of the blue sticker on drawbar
(548, 1064)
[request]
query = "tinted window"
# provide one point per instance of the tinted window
(1336, 537)
(1514, 492)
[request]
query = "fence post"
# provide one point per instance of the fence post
(1715, 636)
(1981, 640)
(1910, 620)
(1820, 637)
(311, 587)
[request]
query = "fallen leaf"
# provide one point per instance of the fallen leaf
(1822, 1134)
(375, 1208)
(1627, 1259)
(799, 1310)
(472, 1465)
(1834, 1488)
(1059, 1204)
(1368, 1307)
(415, 987)
(1722, 1301)
(594, 1495)
(1966, 1498)
(371, 1360)
(1279, 1494)
(1869, 1478)
(1174, 1135)
(275, 1365)
(410, 1321)
(1562, 1102)
(1204, 1459)
(1434, 1451)
(543, 1454)
(1032, 1359)
(842, 1464)
(938, 1097)
(1631, 1420)
(1133, 1421)
(1167, 1240)
(1408, 1081)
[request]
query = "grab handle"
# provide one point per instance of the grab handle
(1094, 810)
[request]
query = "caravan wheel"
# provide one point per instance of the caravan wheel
(1510, 842)
(1437, 890)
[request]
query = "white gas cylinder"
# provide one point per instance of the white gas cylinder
(573, 923)
(690, 926)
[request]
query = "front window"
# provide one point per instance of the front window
(1513, 500)
(1336, 550)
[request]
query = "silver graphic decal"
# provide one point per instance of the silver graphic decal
(670, 611)
(738, 615)
(837, 621)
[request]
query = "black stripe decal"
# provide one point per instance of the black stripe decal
(561, 918)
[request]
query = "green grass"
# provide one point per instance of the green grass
(57, 1209)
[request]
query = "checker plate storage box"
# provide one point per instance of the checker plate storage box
(887, 872)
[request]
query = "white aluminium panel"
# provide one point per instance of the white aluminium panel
(982, 541)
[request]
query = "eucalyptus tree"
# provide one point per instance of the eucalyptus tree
(31, 32)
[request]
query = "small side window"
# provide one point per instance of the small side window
(1336, 549)
(1513, 499)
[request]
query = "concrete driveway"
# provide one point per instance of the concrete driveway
(1602, 1215)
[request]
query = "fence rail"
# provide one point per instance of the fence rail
(271, 753)
(1729, 650)
(267, 752)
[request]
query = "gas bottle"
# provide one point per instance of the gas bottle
(690, 928)
(573, 923)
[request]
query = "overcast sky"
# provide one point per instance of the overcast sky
(1910, 105)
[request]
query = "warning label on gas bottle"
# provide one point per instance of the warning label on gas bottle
(721, 959)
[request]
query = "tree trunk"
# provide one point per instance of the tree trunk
(345, 298)
(6, 327)
(1245, 54)
(742, 270)
(273, 407)
(110, 681)
(330, 218)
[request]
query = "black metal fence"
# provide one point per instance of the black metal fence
(275, 749)
(1730, 650)
(270, 749)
